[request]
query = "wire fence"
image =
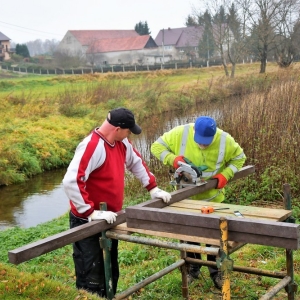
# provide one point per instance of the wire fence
(106, 69)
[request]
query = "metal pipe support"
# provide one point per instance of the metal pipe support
(149, 280)
(162, 244)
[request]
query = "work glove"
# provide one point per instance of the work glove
(108, 216)
(158, 193)
(222, 181)
(176, 160)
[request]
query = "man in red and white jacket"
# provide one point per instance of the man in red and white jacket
(96, 174)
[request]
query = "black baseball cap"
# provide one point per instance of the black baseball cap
(124, 118)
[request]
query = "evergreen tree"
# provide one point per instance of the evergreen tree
(190, 21)
(142, 28)
(207, 43)
(22, 50)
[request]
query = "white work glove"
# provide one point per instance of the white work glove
(109, 216)
(158, 193)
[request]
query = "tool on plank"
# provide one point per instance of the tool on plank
(210, 209)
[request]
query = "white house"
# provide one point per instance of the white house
(140, 49)
(76, 42)
(179, 43)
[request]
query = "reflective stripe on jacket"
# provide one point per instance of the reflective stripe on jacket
(224, 155)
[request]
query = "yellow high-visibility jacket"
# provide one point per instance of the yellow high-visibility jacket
(224, 155)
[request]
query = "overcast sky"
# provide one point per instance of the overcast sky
(28, 20)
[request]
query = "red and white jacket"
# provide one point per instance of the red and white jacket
(97, 174)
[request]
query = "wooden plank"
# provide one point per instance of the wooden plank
(123, 227)
(210, 220)
(241, 237)
(194, 190)
(247, 211)
(59, 240)
(190, 223)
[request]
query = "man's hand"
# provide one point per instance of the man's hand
(109, 216)
(222, 181)
(158, 193)
(176, 160)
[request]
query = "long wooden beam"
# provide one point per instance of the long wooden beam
(67, 237)
(59, 240)
(194, 190)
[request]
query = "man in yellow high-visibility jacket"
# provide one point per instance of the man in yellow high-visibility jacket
(204, 144)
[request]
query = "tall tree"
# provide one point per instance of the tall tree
(142, 28)
(22, 50)
(190, 21)
(237, 38)
(266, 19)
(206, 44)
(220, 28)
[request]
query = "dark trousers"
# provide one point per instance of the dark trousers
(195, 268)
(89, 264)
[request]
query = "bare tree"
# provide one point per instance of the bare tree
(266, 20)
(237, 37)
(219, 26)
(287, 33)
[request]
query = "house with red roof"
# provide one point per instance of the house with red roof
(76, 42)
(140, 49)
(109, 47)
(4, 47)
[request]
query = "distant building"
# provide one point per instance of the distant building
(76, 42)
(179, 43)
(4, 47)
(140, 49)
(110, 47)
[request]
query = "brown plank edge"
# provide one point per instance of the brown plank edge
(59, 240)
(194, 190)
(269, 233)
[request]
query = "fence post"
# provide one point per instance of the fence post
(105, 244)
